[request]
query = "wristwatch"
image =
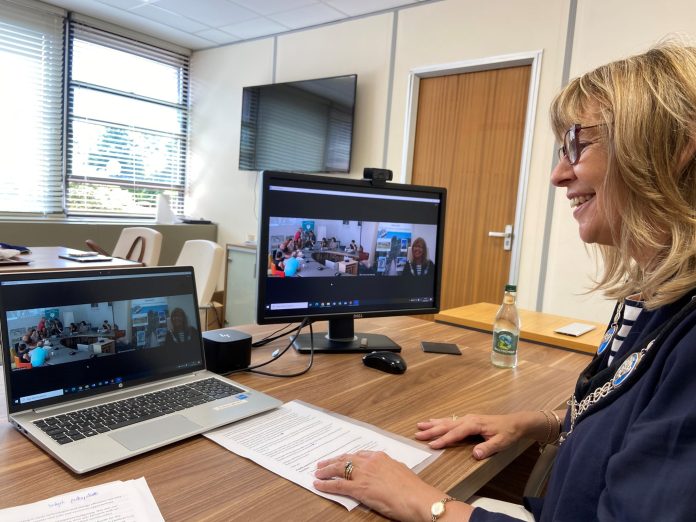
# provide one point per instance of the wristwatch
(438, 508)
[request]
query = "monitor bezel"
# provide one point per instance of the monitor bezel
(269, 177)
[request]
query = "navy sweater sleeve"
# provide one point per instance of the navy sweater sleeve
(651, 477)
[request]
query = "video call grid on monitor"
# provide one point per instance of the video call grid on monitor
(101, 330)
(353, 241)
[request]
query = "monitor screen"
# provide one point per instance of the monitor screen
(78, 333)
(304, 126)
(336, 249)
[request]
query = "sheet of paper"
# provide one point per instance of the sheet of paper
(291, 440)
(575, 329)
(129, 501)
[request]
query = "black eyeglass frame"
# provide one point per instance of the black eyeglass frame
(572, 147)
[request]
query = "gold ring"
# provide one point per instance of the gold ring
(454, 417)
(348, 470)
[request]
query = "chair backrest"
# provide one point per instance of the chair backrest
(206, 258)
(147, 249)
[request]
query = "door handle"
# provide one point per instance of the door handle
(506, 234)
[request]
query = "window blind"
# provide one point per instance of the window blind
(31, 134)
(127, 125)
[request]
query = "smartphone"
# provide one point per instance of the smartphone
(449, 348)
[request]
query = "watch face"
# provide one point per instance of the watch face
(437, 509)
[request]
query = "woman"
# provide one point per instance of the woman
(418, 263)
(628, 444)
(180, 332)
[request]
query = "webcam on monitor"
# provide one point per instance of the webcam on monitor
(376, 175)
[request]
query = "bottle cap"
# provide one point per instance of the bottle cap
(510, 288)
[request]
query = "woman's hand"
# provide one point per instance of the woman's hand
(384, 485)
(500, 431)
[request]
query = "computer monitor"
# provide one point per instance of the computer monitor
(341, 249)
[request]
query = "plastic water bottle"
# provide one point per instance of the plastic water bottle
(506, 331)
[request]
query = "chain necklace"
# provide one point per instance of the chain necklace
(579, 408)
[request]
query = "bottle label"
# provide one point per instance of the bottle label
(505, 342)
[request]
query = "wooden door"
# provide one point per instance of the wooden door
(469, 135)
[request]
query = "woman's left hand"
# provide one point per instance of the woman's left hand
(379, 482)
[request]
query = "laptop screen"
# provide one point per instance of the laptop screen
(71, 335)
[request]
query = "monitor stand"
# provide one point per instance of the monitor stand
(341, 338)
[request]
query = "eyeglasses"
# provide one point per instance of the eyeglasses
(572, 146)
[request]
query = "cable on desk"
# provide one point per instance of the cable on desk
(272, 336)
(253, 368)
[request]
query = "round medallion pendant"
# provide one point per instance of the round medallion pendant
(625, 369)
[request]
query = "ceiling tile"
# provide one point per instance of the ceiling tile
(125, 4)
(360, 7)
(254, 28)
(217, 36)
(169, 18)
(213, 13)
(267, 7)
(307, 16)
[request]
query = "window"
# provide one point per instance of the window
(97, 129)
(31, 134)
(127, 125)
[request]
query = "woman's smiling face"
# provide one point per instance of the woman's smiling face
(585, 189)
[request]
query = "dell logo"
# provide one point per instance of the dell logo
(226, 335)
(357, 316)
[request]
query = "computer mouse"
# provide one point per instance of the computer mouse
(389, 362)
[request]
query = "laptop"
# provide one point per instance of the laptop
(102, 365)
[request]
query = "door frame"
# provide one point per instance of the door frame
(532, 58)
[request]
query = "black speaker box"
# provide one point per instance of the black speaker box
(226, 350)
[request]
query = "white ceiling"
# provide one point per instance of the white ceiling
(200, 24)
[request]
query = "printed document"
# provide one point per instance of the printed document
(129, 501)
(291, 440)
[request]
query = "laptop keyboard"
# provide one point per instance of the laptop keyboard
(88, 422)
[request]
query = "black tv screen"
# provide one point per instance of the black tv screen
(304, 126)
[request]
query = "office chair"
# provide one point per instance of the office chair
(140, 244)
(206, 258)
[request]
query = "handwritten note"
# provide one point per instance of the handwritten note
(129, 501)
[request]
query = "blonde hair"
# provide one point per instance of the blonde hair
(647, 105)
(424, 247)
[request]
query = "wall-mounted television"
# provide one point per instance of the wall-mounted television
(303, 126)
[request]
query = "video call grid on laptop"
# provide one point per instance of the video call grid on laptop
(75, 341)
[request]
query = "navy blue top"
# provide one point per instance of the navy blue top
(633, 456)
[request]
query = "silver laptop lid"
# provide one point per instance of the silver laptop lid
(77, 334)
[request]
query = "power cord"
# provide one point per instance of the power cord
(272, 336)
(279, 353)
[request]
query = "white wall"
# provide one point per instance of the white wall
(433, 34)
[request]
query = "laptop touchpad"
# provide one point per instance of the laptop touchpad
(155, 432)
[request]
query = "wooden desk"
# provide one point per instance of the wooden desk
(46, 259)
(536, 326)
(198, 480)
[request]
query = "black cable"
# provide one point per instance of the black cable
(269, 338)
(301, 372)
(253, 368)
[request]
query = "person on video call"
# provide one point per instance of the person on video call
(628, 444)
(180, 331)
(418, 263)
(292, 265)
